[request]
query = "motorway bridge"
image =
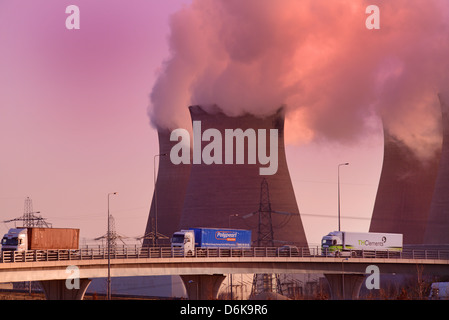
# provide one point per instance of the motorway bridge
(207, 268)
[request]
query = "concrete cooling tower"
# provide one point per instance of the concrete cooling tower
(405, 192)
(169, 193)
(437, 231)
(222, 195)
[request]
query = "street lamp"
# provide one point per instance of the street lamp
(155, 196)
(229, 219)
(230, 275)
(108, 237)
(341, 164)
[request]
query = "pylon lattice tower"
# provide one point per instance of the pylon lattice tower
(265, 232)
(28, 213)
(265, 238)
(29, 218)
(112, 235)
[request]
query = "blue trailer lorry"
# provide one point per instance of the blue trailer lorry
(193, 238)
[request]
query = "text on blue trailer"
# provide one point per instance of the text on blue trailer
(193, 238)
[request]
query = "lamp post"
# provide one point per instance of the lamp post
(108, 238)
(229, 218)
(155, 197)
(341, 164)
(229, 222)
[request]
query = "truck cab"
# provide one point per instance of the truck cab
(332, 243)
(15, 240)
(183, 242)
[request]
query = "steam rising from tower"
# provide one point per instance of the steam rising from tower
(316, 58)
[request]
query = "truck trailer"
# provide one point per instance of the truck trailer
(23, 239)
(342, 243)
(194, 238)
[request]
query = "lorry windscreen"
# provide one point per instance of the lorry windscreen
(10, 242)
(328, 242)
(177, 239)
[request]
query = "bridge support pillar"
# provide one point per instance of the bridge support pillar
(202, 287)
(57, 290)
(345, 286)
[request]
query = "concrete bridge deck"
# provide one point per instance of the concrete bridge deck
(58, 266)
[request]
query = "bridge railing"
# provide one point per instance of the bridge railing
(136, 252)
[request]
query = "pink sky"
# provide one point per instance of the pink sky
(74, 124)
(73, 110)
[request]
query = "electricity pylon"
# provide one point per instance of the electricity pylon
(29, 218)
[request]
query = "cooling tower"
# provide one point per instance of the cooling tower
(437, 230)
(169, 193)
(222, 195)
(405, 191)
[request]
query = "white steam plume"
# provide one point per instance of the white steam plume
(317, 58)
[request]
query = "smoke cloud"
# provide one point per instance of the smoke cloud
(316, 58)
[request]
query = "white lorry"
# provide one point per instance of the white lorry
(342, 243)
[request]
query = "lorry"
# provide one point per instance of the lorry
(343, 243)
(186, 241)
(23, 239)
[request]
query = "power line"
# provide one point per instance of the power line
(29, 217)
(112, 235)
